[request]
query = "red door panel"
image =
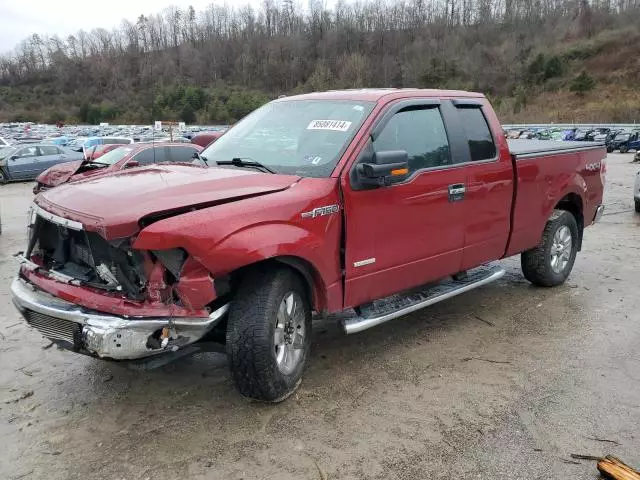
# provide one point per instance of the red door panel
(402, 236)
(488, 202)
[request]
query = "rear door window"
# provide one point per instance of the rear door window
(49, 150)
(481, 144)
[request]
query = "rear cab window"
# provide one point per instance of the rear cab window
(481, 144)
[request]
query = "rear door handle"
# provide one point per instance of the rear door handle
(456, 192)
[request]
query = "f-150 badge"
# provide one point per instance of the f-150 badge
(321, 211)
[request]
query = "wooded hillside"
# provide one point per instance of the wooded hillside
(539, 60)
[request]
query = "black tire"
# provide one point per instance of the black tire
(637, 205)
(3, 177)
(251, 333)
(536, 263)
(624, 149)
(609, 149)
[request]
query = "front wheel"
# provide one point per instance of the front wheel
(268, 334)
(624, 149)
(551, 262)
(637, 206)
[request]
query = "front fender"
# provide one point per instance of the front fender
(227, 237)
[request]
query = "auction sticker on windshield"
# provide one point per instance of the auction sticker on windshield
(335, 125)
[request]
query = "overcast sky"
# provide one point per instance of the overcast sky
(21, 18)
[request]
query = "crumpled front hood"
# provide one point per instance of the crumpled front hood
(59, 174)
(113, 205)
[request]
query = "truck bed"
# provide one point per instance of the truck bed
(536, 148)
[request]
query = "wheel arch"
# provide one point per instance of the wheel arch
(572, 203)
(313, 282)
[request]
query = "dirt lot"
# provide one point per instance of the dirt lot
(504, 382)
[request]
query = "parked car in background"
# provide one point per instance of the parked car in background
(26, 140)
(623, 141)
(633, 144)
(543, 134)
(513, 133)
(93, 141)
(61, 141)
(26, 162)
(125, 156)
(599, 135)
(556, 134)
(164, 139)
(568, 135)
(77, 143)
(580, 135)
(611, 135)
(206, 138)
(98, 150)
(83, 144)
(528, 134)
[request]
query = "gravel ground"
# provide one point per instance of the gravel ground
(503, 382)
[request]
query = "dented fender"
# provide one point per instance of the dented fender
(227, 237)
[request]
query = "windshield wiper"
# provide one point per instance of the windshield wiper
(245, 162)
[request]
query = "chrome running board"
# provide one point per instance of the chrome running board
(381, 311)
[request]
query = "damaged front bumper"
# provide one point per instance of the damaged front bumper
(103, 335)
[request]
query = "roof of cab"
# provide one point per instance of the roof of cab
(377, 94)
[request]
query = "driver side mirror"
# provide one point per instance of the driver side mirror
(14, 157)
(132, 164)
(384, 169)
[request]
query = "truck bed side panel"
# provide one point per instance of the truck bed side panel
(545, 180)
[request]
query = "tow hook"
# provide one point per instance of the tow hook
(168, 333)
(164, 339)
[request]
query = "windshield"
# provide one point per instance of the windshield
(5, 152)
(301, 137)
(622, 136)
(114, 156)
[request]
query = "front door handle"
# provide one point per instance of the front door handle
(456, 192)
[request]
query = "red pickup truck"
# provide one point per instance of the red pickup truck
(373, 202)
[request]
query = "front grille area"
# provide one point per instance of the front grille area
(89, 258)
(51, 327)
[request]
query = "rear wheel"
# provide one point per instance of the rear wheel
(551, 262)
(624, 149)
(3, 177)
(637, 206)
(268, 334)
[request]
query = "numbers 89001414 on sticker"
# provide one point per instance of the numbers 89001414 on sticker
(335, 125)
